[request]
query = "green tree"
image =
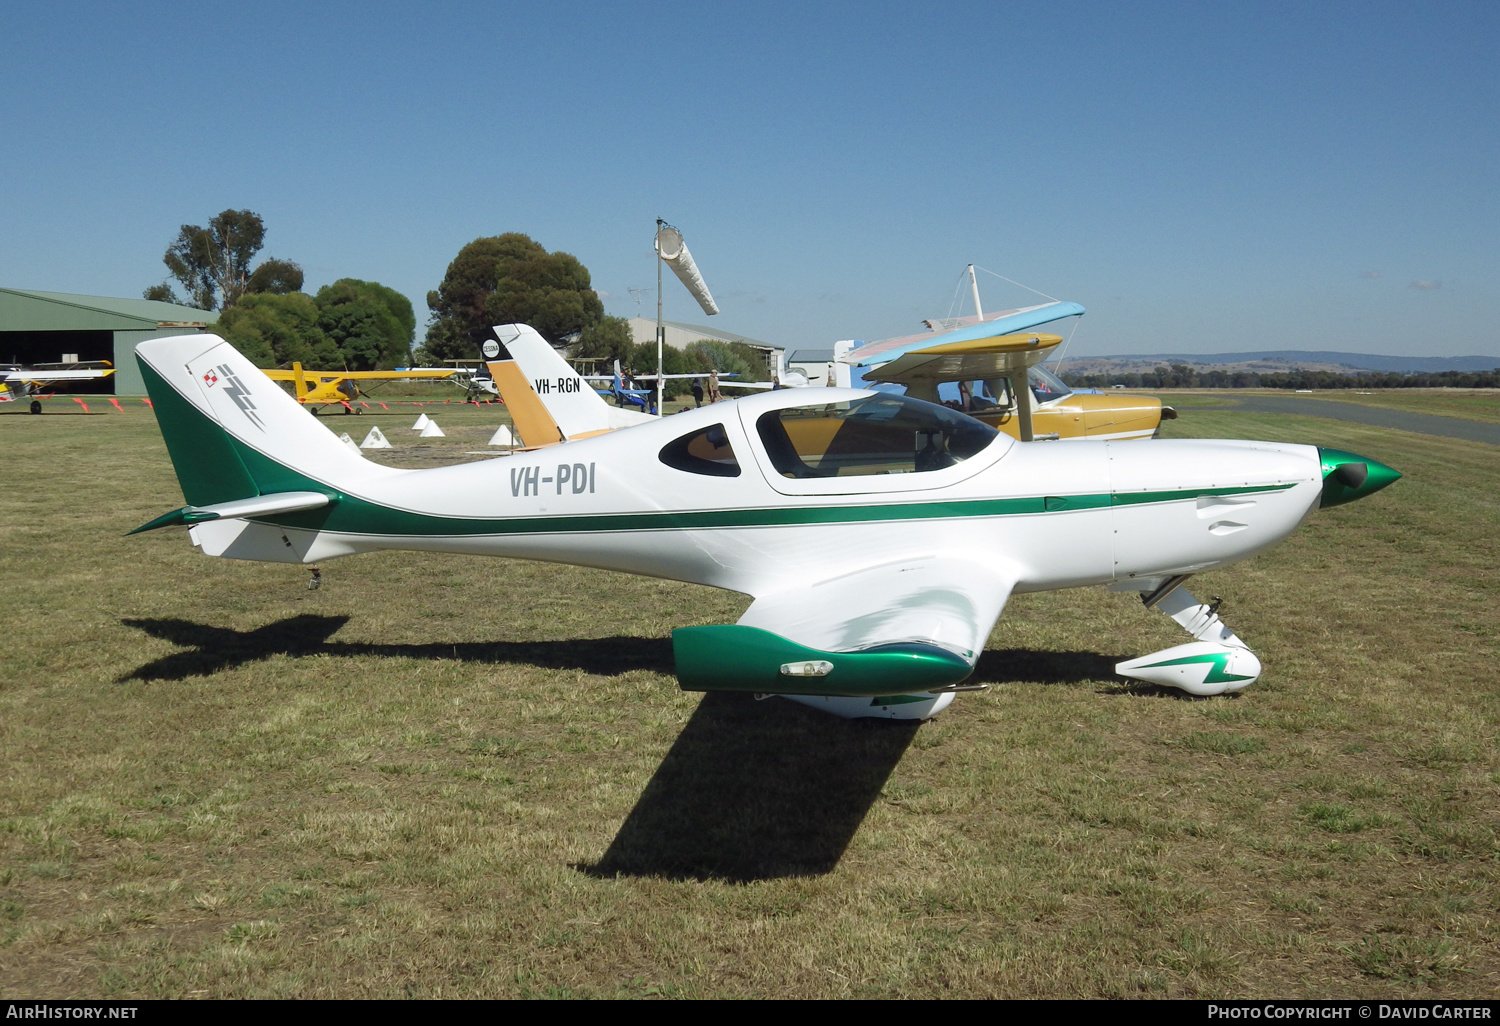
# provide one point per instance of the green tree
(275, 329)
(212, 264)
(506, 279)
(372, 325)
(277, 277)
(730, 358)
(609, 339)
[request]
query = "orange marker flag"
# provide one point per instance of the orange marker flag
(148, 402)
(80, 402)
(116, 404)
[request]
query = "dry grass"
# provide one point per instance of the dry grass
(448, 777)
(1481, 404)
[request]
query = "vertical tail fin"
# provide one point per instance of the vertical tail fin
(231, 432)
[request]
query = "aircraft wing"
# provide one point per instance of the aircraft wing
(1007, 322)
(974, 360)
(391, 375)
(32, 376)
(400, 375)
(947, 601)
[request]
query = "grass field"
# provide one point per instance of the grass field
(1465, 404)
(445, 777)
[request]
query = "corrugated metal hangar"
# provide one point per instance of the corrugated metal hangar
(46, 327)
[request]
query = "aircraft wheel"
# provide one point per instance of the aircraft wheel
(36, 407)
(358, 413)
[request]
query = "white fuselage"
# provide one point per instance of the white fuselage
(1054, 516)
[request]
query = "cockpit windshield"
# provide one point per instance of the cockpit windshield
(878, 434)
(1045, 385)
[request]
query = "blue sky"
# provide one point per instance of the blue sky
(1202, 177)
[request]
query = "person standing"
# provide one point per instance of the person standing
(713, 387)
(697, 392)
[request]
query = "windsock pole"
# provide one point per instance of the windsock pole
(661, 331)
(671, 249)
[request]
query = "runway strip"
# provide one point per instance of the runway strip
(1421, 423)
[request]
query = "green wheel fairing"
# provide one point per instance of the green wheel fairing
(1216, 675)
(735, 658)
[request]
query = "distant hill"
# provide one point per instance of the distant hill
(1292, 359)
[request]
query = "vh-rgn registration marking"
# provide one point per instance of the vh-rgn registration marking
(529, 480)
(546, 386)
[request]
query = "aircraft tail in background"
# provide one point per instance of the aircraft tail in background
(555, 402)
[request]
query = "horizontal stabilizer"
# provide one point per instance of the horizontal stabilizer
(259, 506)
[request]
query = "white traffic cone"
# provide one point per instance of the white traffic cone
(502, 437)
(422, 422)
(432, 431)
(376, 440)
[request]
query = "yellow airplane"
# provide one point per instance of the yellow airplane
(997, 364)
(339, 388)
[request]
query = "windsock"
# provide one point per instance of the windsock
(671, 248)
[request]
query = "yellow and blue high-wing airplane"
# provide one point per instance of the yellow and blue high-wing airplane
(996, 362)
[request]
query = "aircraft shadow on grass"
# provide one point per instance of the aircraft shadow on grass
(750, 790)
(756, 790)
(212, 649)
(221, 648)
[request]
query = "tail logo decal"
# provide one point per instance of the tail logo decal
(237, 391)
(210, 379)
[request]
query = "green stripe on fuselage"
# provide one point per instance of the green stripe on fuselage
(353, 515)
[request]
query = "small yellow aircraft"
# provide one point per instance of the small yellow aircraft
(341, 388)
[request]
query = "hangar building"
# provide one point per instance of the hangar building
(46, 327)
(680, 336)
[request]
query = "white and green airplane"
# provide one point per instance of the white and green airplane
(879, 536)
